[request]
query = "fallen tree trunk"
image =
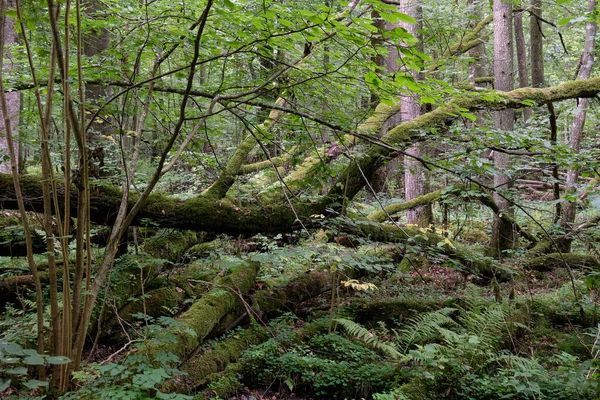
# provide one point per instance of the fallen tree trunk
(557, 260)
(483, 197)
(200, 367)
(472, 262)
(205, 314)
(214, 215)
(200, 213)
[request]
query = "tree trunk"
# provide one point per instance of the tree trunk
(536, 44)
(521, 57)
(13, 99)
(222, 216)
(390, 64)
(587, 62)
(94, 44)
(503, 237)
(416, 181)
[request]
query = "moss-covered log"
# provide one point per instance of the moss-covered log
(12, 238)
(170, 244)
(381, 215)
(210, 214)
(200, 368)
(285, 297)
(557, 260)
(275, 161)
(206, 313)
(426, 126)
(481, 196)
(163, 295)
(199, 213)
(472, 262)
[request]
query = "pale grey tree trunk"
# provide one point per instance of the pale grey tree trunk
(94, 44)
(416, 182)
(477, 53)
(577, 129)
(13, 99)
(521, 57)
(536, 45)
(503, 237)
(390, 65)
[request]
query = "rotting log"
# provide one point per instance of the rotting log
(199, 213)
(207, 213)
(483, 197)
(424, 127)
(396, 309)
(557, 260)
(473, 263)
(199, 368)
(163, 294)
(287, 297)
(264, 302)
(275, 161)
(381, 215)
(206, 313)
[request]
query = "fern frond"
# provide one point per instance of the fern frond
(488, 323)
(362, 333)
(425, 327)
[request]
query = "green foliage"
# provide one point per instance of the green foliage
(14, 363)
(369, 338)
(135, 376)
(326, 365)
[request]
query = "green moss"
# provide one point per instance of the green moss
(206, 249)
(382, 215)
(206, 313)
(214, 360)
(550, 261)
(170, 244)
(397, 309)
(133, 269)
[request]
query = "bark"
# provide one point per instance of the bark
(577, 129)
(200, 367)
(223, 216)
(483, 197)
(95, 43)
(390, 65)
(13, 99)
(503, 237)
(521, 57)
(560, 260)
(205, 314)
(416, 180)
(536, 48)
(471, 262)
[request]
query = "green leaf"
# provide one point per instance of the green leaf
(4, 384)
(35, 384)
(372, 79)
(17, 371)
(406, 18)
(58, 360)
(564, 21)
(34, 360)
(10, 14)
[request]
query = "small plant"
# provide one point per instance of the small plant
(135, 376)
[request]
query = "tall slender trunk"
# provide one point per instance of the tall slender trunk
(577, 129)
(503, 236)
(536, 45)
(416, 180)
(13, 99)
(521, 57)
(390, 65)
